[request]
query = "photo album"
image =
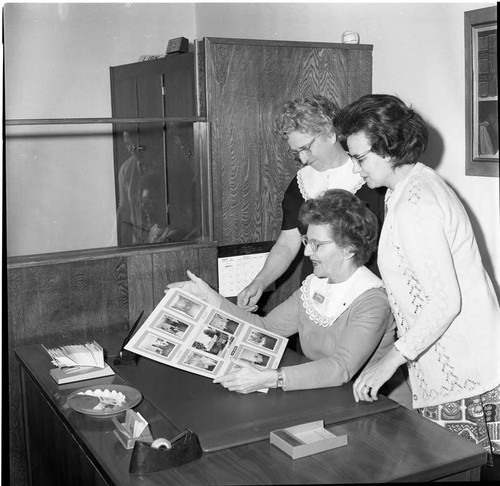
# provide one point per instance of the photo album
(188, 333)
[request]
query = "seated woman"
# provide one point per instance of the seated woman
(341, 311)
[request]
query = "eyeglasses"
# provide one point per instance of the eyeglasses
(358, 158)
(306, 148)
(313, 243)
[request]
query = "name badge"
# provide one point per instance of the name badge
(318, 298)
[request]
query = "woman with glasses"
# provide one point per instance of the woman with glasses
(447, 313)
(306, 126)
(341, 312)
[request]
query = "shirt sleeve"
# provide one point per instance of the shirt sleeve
(282, 320)
(432, 281)
(374, 199)
(369, 322)
(292, 201)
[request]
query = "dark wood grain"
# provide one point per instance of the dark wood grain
(140, 286)
(246, 83)
(82, 294)
(278, 43)
(207, 266)
(359, 81)
(48, 464)
(233, 110)
(172, 268)
(200, 86)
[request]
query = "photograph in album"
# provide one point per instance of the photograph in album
(188, 333)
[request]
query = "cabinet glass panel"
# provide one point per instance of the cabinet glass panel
(67, 190)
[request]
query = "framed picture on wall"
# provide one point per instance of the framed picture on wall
(481, 92)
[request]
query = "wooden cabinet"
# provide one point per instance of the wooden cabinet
(246, 80)
(166, 189)
(237, 84)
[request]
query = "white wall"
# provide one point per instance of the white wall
(57, 59)
(418, 55)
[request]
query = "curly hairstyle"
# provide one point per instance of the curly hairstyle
(351, 223)
(311, 114)
(394, 129)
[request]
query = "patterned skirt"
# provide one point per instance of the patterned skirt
(476, 418)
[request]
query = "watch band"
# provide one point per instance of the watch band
(279, 378)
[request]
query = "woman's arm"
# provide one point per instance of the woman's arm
(279, 259)
(433, 284)
(282, 320)
(369, 318)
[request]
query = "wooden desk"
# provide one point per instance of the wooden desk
(65, 447)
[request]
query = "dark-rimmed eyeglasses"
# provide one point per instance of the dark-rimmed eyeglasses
(306, 149)
(313, 244)
(358, 158)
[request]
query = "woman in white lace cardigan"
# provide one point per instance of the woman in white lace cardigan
(446, 310)
(341, 311)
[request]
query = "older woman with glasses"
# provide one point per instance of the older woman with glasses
(341, 312)
(305, 124)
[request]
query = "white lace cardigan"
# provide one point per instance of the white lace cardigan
(446, 311)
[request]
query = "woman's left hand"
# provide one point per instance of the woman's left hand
(198, 287)
(248, 379)
(370, 380)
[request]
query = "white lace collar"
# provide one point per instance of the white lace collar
(324, 302)
(312, 182)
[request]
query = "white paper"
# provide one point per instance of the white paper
(236, 272)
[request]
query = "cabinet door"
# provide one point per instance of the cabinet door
(246, 81)
(154, 164)
(183, 180)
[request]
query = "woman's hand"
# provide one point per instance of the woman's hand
(248, 379)
(370, 380)
(247, 299)
(198, 287)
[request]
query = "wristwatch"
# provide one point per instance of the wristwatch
(279, 378)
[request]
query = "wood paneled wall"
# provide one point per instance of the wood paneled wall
(64, 298)
(247, 82)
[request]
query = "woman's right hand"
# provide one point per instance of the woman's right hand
(247, 299)
(199, 288)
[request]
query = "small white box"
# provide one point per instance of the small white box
(306, 439)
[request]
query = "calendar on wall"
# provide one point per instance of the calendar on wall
(237, 265)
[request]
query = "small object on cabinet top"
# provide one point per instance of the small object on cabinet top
(177, 45)
(151, 57)
(350, 38)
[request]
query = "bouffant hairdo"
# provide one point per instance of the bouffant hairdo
(311, 114)
(394, 129)
(351, 223)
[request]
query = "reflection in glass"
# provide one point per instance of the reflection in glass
(159, 198)
(66, 190)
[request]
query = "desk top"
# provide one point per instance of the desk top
(224, 419)
(394, 445)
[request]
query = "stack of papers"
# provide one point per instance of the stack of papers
(89, 354)
(77, 362)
